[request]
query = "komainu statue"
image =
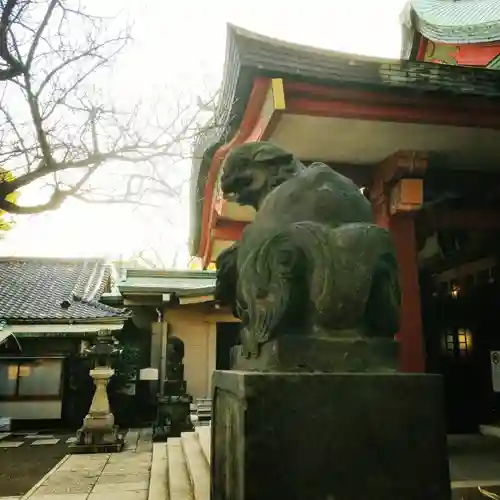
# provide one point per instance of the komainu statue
(312, 265)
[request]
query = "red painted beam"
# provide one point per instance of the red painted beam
(228, 230)
(393, 99)
(422, 48)
(402, 114)
(249, 130)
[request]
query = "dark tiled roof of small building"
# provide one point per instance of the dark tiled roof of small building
(59, 290)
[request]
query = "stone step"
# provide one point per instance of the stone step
(158, 481)
(204, 437)
(197, 466)
(179, 485)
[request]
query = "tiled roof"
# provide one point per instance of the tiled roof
(459, 21)
(37, 289)
(250, 55)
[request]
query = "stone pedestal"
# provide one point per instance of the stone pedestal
(328, 436)
(98, 433)
(305, 353)
(173, 415)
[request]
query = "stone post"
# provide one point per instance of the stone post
(100, 416)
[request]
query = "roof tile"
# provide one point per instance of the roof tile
(37, 289)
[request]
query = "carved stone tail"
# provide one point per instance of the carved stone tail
(312, 276)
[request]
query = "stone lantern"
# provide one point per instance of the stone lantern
(99, 434)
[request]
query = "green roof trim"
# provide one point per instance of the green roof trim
(180, 283)
(451, 22)
(494, 63)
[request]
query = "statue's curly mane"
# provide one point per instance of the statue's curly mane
(282, 173)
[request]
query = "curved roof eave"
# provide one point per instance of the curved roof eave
(459, 22)
(230, 108)
(249, 55)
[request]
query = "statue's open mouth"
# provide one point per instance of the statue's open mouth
(231, 197)
(234, 188)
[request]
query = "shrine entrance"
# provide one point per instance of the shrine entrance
(460, 293)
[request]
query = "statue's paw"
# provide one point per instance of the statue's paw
(245, 352)
(249, 348)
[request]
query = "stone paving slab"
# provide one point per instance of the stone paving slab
(125, 486)
(69, 496)
(78, 461)
(70, 477)
(119, 495)
(63, 489)
(112, 470)
(10, 444)
(123, 478)
(106, 476)
(39, 442)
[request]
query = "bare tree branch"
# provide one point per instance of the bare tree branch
(13, 66)
(63, 130)
(38, 35)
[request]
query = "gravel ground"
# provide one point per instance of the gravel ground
(23, 466)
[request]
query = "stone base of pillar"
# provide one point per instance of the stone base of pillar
(342, 436)
(98, 433)
(173, 415)
(295, 353)
(97, 441)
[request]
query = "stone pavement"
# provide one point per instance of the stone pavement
(106, 476)
(179, 470)
(16, 440)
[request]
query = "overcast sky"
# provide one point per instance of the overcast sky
(182, 47)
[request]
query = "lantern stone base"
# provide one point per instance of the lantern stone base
(95, 441)
(98, 433)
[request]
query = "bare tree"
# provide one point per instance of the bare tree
(57, 128)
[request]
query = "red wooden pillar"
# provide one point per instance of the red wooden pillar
(403, 196)
(412, 358)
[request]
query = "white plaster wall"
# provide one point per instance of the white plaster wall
(197, 329)
(156, 330)
(194, 331)
(31, 410)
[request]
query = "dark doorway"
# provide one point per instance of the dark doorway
(461, 321)
(227, 338)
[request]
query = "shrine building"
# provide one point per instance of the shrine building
(463, 33)
(422, 138)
